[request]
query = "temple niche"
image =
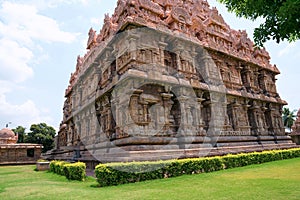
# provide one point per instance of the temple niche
(169, 79)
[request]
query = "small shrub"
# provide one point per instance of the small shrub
(57, 167)
(52, 166)
(75, 171)
(72, 171)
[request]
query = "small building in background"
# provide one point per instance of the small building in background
(13, 153)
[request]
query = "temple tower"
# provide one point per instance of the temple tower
(169, 79)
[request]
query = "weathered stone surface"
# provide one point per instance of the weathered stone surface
(169, 79)
(42, 166)
(12, 153)
(296, 129)
(19, 153)
(7, 136)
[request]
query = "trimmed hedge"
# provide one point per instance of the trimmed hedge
(72, 171)
(121, 173)
(57, 167)
(75, 171)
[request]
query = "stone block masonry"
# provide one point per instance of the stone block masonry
(169, 79)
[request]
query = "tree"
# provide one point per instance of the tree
(288, 117)
(282, 18)
(41, 134)
(20, 130)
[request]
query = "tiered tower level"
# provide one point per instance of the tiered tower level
(168, 79)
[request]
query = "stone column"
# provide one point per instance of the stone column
(253, 119)
(235, 106)
(162, 47)
(218, 116)
(115, 109)
(270, 119)
(265, 127)
(247, 127)
(80, 95)
(206, 111)
(132, 38)
(200, 123)
(134, 107)
(255, 77)
(177, 48)
(239, 69)
(199, 113)
(184, 121)
(167, 103)
(259, 127)
(262, 80)
(227, 124)
(193, 55)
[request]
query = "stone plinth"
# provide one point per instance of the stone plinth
(42, 166)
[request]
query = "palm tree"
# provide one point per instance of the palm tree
(288, 118)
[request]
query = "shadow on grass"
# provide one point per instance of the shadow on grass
(95, 185)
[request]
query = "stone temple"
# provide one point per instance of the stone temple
(168, 79)
(12, 152)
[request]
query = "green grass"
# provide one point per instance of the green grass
(275, 180)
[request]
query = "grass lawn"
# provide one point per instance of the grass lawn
(275, 180)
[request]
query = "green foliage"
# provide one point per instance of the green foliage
(41, 134)
(20, 130)
(288, 117)
(75, 171)
(282, 18)
(52, 166)
(72, 171)
(121, 173)
(280, 179)
(57, 167)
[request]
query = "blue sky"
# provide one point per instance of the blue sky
(40, 41)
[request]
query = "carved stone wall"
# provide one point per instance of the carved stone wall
(187, 75)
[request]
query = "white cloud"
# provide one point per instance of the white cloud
(23, 24)
(25, 114)
(6, 87)
(21, 28)
(14, 61)
(23, 31)
(289, 47)
(44, 4)
(97, 22)
(55, 3)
